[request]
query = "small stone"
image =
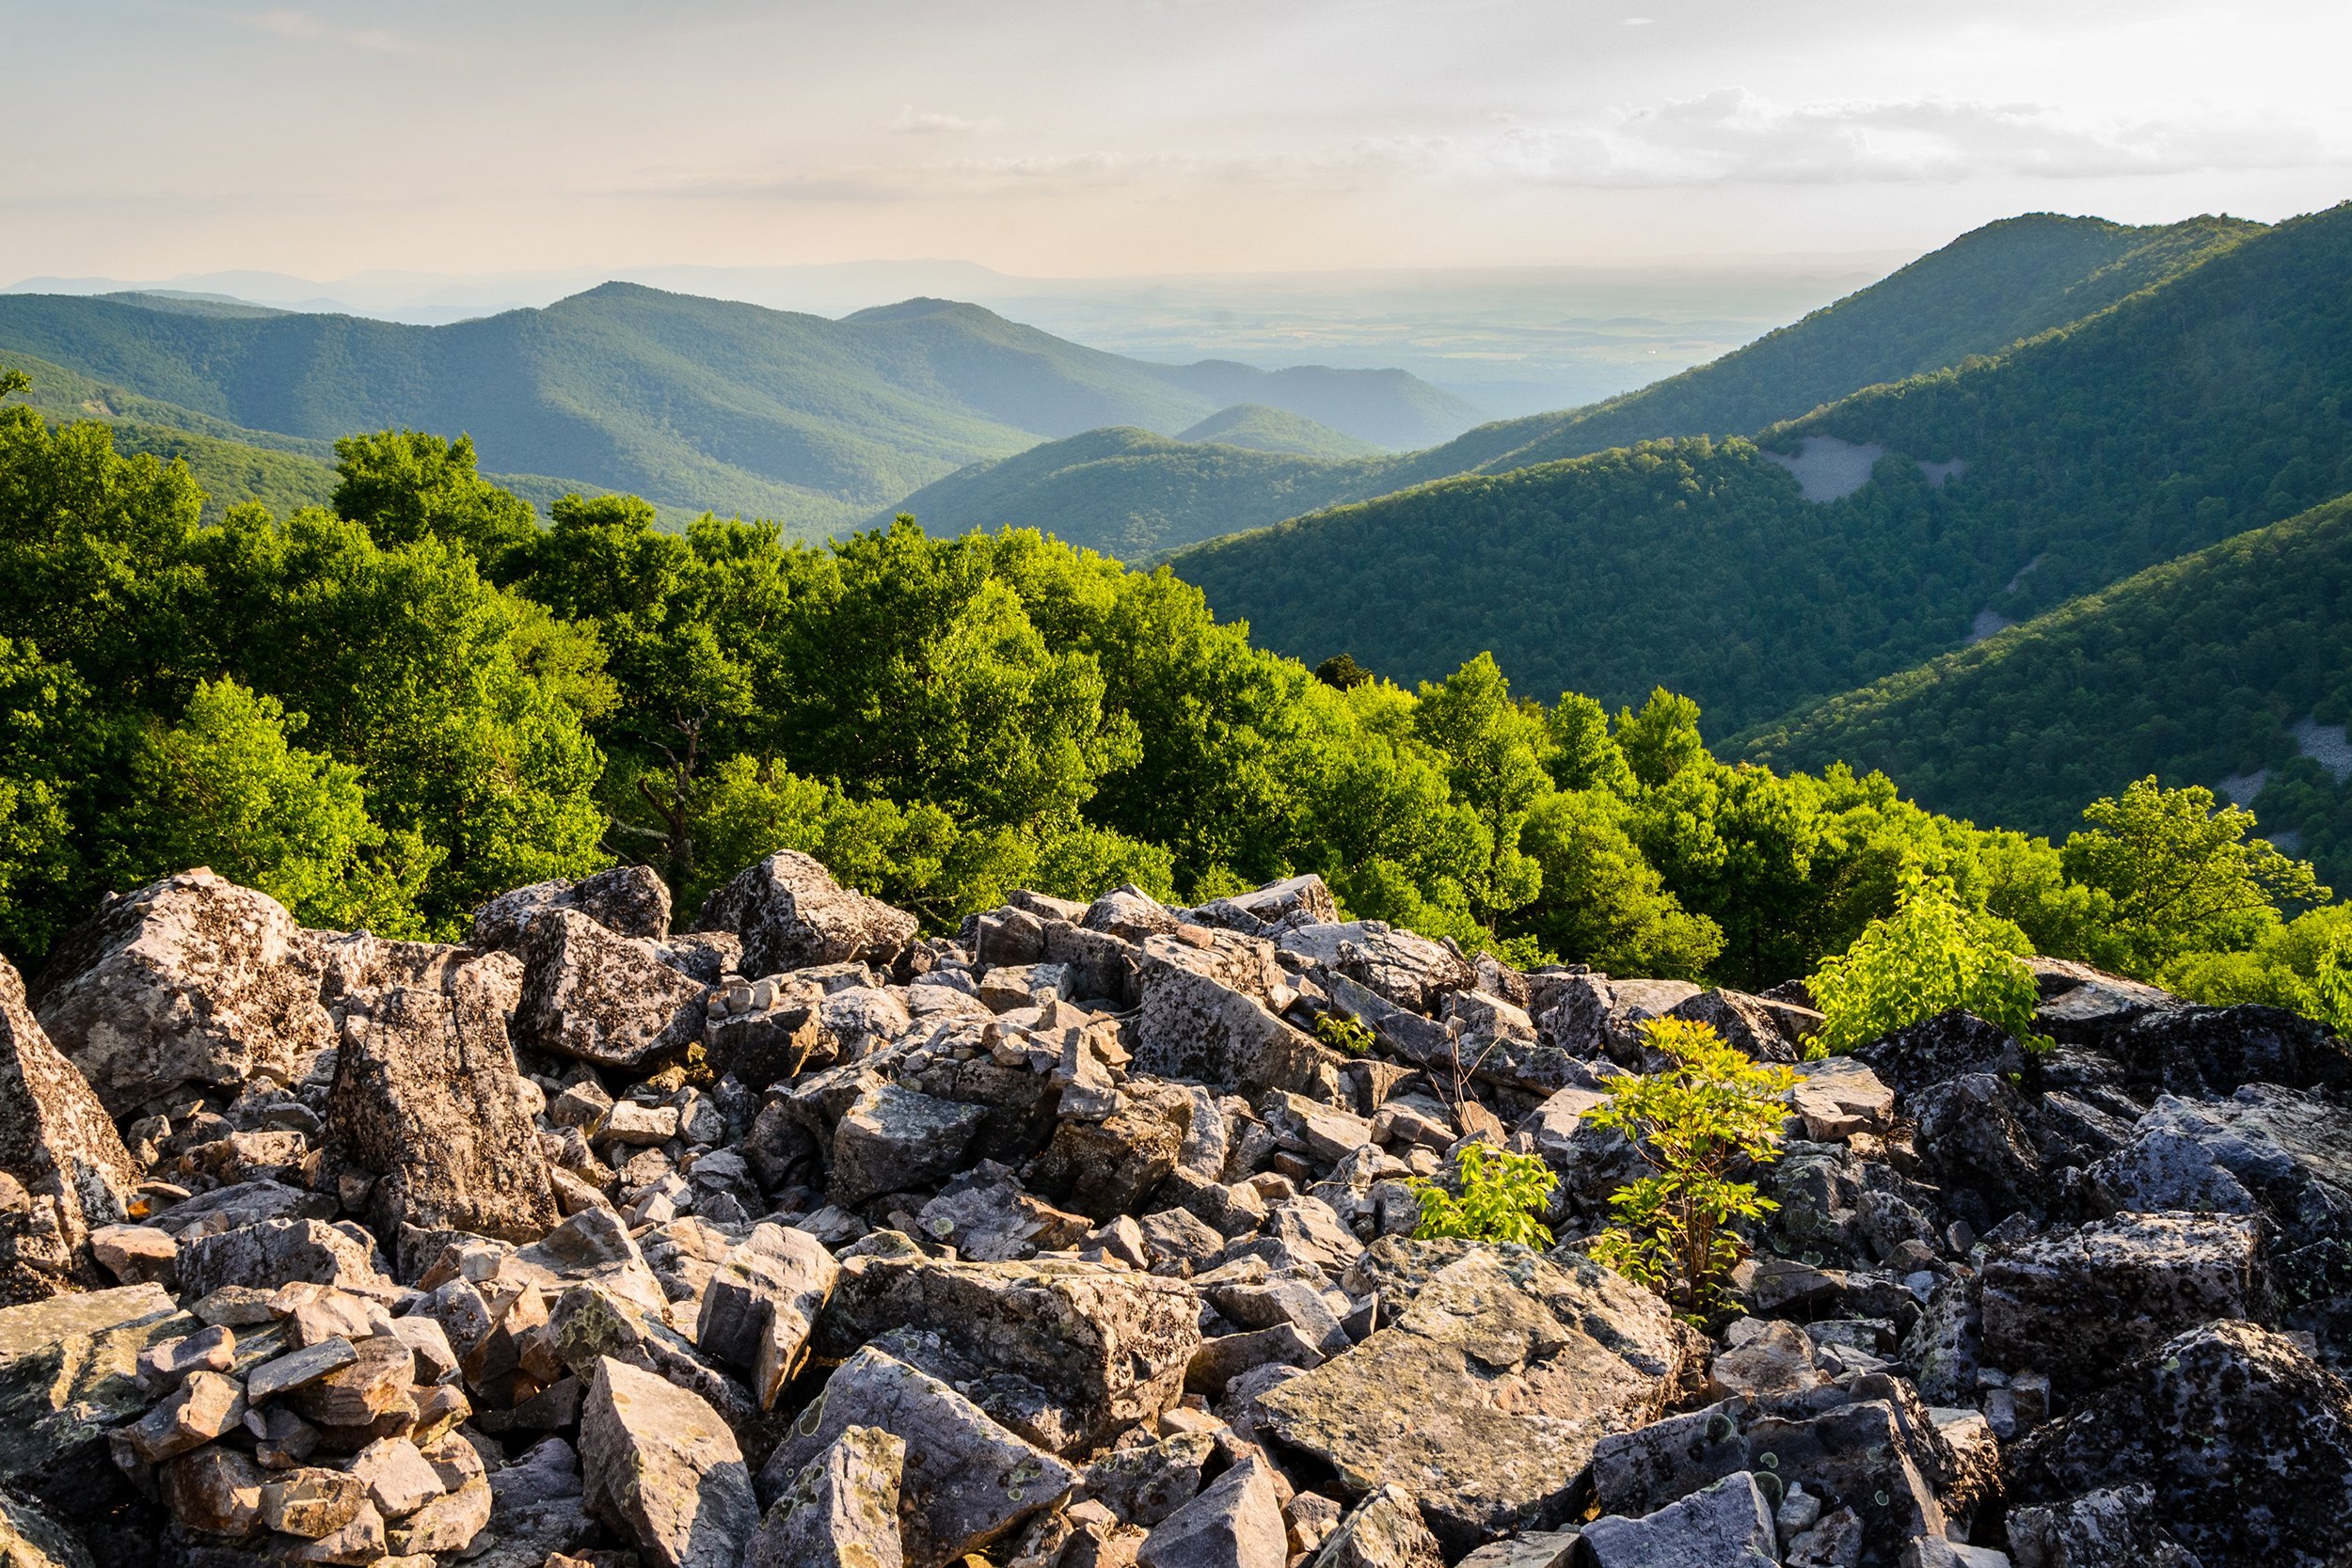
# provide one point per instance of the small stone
(206, 1407)
(136, 1254)
(299, 1369)
(312, 1503)
(216, 1490)
(398, 1478)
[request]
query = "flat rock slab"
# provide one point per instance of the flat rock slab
(1486, 1396)
(2080, 1304)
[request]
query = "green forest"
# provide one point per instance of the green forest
(385, 710)
(2184, 415)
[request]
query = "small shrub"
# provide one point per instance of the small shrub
(1501, 1194)
(1931, 955)
(1694, 1124)
(1344, 1035)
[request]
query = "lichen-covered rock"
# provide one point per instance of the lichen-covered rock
(600, 997)
(1727, 1525)
(1747, 1022)
(1936, 1050)
(2081, 1304)
(428, 1104)
(59, 1143)
(627, 900)
(1237, 1523)
(2112, 1528)
(761, 1306)
(965, 1482)
(1107, 1345)
(2244, 1440)
(1382, 1531)
(662, 1468)
(31, 1537)
(192, 981)
(68, 1371)
(841, 1511)
(1486, 1395)
(892, 1139)
(275, 1252)
(792, 914)
(1199, 1028)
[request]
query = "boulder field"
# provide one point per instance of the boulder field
(801, 1239)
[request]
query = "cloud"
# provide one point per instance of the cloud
(1733, 135)
(304, 27)
(911, 123)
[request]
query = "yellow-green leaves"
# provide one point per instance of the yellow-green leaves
(1704, 1116)
(1934, 955)
(1501, 1196)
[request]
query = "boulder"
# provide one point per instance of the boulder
(59, 1143)
(1107, 1345)
(1938, 1048)
(275, 1252)
(1409, 970)
(965, 1482)
(428, 1104)
(2244, 1440)
(663, 1470)
(68, 1371)
(1382, 1531)
(2081, 1304)
(600, 997)
(1237, 1523)
(627, 900)
(31, 1537)
(892, 1139)
(1485, 1395)
(1748, 1023)
(762, 1305)
(2112, 1528)
(2216, 1051)
(791, 914)
(189, 982)
(1202, 1029)
(1727, 1525)
(840, 1512)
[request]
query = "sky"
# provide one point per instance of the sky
(1072, 138)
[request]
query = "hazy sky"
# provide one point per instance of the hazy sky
(1089, 137)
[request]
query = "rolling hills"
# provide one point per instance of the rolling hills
(2191, 411)
(691, 403)
(1977, 295)
(2227, 667)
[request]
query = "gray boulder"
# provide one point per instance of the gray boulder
(600, 997)
(762, 1305)
(1486, 1394)
(892, 1140)
(1382, 1531)
(2081, 1304)
(965, 1482)
(1202, 1028)
(1237, 1523)
(60, 1146)
(2244, 1440)
(1107, 1345)
(1727, 1525)
(2112, 1528)
(841, 1511)
(662, 1468)
(427, 1101)
(791, 914)
(189, 982)
(627, 900)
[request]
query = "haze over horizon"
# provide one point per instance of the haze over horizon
(1051, 139)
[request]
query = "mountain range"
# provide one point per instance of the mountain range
(1977, 295)
(691, 403)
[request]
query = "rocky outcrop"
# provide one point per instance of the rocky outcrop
(791, 914)
(189, 982)
(429, 1110)
(67, 1169)
(1069, 1242)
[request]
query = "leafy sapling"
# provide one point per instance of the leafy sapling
(1502, 1195)
(1934, 955)
(1694, 1123)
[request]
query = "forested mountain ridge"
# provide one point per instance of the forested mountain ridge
(694, 402)
(2228, 668)
(2179, 417)
(1977, 295)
